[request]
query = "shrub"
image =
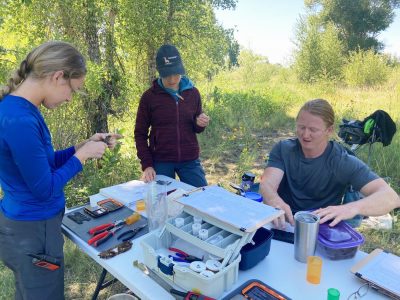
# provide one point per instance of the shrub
(320, 53)
(366, 68)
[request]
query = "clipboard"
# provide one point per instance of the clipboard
(374, 269)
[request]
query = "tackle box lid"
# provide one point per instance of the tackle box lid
(230, 209)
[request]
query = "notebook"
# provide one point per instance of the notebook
(382, 270)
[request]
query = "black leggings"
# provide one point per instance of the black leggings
(19, 238)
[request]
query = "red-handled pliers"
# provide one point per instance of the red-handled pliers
(101, 228)
(104, 234)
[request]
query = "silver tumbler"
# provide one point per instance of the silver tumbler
(305, 235)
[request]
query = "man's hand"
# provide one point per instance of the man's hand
(270, 181)
(280, 223)
(149, 174)
(336, 213)
(202, 120)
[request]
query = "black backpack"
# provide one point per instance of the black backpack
(352, 132)
(378, 127)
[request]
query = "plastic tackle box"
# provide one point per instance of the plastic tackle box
(227, 232)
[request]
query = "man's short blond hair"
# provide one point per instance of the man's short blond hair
(320, 108)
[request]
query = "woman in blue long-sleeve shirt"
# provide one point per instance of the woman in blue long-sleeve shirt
(32, 174)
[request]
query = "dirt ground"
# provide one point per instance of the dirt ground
(225, 169)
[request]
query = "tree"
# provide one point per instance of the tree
(366, 68)
(119, 39)
(251, 65)
(188, 24)
(358, 22)
(89, 25)
(319, 53)
(102, 16)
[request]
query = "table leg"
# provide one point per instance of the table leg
(101, 284)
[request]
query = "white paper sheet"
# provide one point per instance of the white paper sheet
(127, 193)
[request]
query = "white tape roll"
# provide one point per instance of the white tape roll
(203, 234)
(213, 265)
(207, 273)
(198, 266)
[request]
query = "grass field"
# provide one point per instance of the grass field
(250, 111)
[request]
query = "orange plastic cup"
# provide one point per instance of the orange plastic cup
(140, 205)
(314, 268)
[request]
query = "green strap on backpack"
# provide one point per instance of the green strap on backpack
(369, 126)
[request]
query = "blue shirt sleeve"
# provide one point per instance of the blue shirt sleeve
(31, 155)
(61, 156)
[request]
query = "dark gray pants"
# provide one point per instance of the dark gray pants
(17, 239)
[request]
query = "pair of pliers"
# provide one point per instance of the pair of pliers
(129, 234)
(104, 227)
(182, 256)
(104, 235)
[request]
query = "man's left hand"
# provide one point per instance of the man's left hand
(336, 213)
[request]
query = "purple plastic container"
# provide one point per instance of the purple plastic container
(339, 242)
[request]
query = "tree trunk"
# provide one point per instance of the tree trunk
(151, 66)
(168, 37)
(170, 23)
(97, 109)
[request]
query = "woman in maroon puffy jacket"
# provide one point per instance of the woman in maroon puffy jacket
(171, 109)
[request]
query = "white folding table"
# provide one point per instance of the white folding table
(279, 270)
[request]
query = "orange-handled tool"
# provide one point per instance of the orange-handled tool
(103, 232)
(129, 221)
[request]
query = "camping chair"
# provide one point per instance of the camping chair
(378, 127)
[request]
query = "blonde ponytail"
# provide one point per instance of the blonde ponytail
(15, 80)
